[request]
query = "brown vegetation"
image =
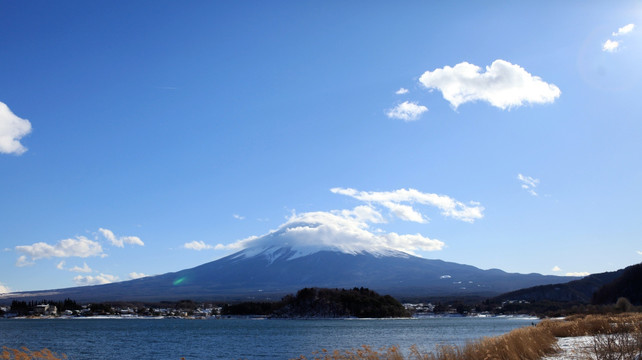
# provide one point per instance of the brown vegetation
(614, 336)
(585, 325)
(26, 354)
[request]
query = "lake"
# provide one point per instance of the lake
(240, 338)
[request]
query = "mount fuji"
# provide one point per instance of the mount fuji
(283, 262)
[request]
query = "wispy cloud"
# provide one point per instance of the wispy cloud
(611, 45)
(101, 279)
(136, 275)
(503, 85)
(61, 265)
(84, 269)
(580, 274)
(4, 289)
(363, 213)
(122, 240)
(639, 252)
(401, 91)
(24, 261)
(399, 203)
(12, 129)
(528, 183)
(238, 217)
(624, 30)
(78, 247)
(198, 245)
(556, 268)
(407, 111)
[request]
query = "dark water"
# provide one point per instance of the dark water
(239, 338)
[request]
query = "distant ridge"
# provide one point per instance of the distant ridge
(602, 288)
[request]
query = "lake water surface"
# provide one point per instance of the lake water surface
(239, 338)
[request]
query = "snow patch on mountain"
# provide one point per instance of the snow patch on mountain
(342, 232)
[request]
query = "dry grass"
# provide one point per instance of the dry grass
(622, 339)
(617, 346)
(26, 354)
(365, 352)
(528, 343)
(588, 325)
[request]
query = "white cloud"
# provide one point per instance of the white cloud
(404, 212)
(639, 252)
(528, 183)
(197, 245)
(84, 269)
(401, 91)
(409, 243)
(12, 129)
(339, 230)
(23, 261)
(4, 289)
(407, 111)
(120, 241)
(78, 247)
(393, 200)
(238, 217)
(363, 213)
(624, 30)
(581, 274)
(503, 85)
(135, 275)
(237, 245)
(610, 45)
(350, 231)
(61, 265)
(95, 280)
(614, 45)
(556, 268)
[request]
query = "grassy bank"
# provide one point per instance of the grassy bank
(614, 337)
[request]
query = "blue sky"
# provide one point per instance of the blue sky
(138, 138)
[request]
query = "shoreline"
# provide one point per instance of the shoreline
(261, 317)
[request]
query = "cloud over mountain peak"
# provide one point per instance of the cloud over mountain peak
(357, 230)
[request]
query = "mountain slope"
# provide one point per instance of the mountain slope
(273, 272)
(574, 291)
(314, 250)
(628, 285)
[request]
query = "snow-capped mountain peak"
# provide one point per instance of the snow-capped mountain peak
(301, 238)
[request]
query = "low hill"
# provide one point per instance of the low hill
(325, 303)
(578, 291)
(628, 285)
(361, 303)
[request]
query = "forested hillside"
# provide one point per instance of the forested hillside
(627, 285)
